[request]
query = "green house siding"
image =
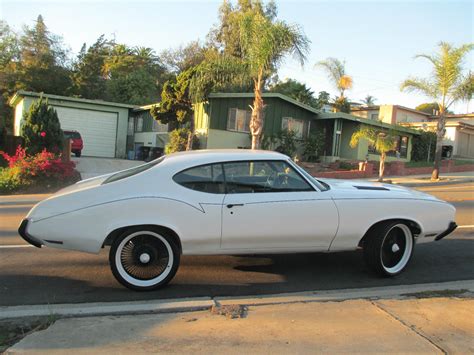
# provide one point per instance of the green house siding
(275, 109)
(346, 152)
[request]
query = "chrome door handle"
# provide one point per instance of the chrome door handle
(235, 205)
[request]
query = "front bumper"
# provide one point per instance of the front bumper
(451, 228)
(22, 231)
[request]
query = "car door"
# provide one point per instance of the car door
(203, 189)
(269, 206)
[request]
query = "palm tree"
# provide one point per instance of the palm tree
(264, 43)
(369, 100)
(447, 84)
(383, 142)
(337, 74)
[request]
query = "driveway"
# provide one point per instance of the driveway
(90, 167)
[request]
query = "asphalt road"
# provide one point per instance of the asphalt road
(32, 276)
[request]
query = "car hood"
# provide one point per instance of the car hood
(360, 188)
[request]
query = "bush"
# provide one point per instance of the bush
(312, 147)
(179, 140)
(287, 143)
(45, 170)
(41, 129)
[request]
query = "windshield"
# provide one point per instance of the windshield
(133, 171)
(320, 184)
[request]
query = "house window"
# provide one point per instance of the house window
(293, 124)
(157, 126)
(374, 116)
(400, 150)
(139, 124)
(238, 120)
(131, 126)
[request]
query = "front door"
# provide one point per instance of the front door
(270, 206)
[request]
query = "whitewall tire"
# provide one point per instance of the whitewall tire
(388, 248)
(144, 259)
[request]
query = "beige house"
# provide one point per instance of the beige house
(458, 140)
(391, 114)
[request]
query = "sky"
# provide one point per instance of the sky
(377, 39)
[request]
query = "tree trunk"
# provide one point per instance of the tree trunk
(439, 145)
(381, 166)
(189, 145)
(256, 121)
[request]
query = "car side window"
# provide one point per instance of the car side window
(205, 178)
(263, 176)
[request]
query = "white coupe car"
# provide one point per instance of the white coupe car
(232, 202)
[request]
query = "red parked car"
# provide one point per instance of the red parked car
(76, 141)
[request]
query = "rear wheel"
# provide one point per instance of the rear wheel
(77, 153)
(388, 248)
(144, 259)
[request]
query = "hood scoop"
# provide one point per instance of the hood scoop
(375, 188)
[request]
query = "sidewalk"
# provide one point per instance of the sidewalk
(430, 325)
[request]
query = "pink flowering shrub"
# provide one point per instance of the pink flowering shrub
(45, 169)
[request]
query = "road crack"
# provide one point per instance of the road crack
(410, 327)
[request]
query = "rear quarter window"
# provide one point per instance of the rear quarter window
(205, 178)
(133, 171)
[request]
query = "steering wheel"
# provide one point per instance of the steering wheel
(271, 179)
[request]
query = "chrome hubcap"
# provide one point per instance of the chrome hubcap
(395, 248)
(144, 258)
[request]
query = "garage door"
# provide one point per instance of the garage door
(98, 129)
(465, 145)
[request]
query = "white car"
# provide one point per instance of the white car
(232, 202)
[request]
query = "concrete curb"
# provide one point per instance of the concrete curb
(203, 303)
(426, 184)
(107, 308)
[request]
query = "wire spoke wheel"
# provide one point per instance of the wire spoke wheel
(144, 259)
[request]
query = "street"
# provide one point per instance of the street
(33, 276)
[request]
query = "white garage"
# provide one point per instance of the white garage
(98, 129)
(103, 125)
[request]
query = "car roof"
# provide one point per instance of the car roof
(197, 157)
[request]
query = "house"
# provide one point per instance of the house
(223, 122)
(459, 137)
(392, 114)
(102, 125)
(117, 130)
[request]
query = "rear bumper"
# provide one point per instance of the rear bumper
(451, 228)
(31, 240)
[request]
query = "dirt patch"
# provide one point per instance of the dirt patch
(231, 311)
(12, 331)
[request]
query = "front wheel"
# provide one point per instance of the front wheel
(144, 259)
(388, 248)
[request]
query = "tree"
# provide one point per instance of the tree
(295, 90)
(184, 57)
(383, 142)
(447, 84)
(41, 128)
(176, 105)
(341, 104)
(134, 75)
(9, 58)
(323, 99)
(226, 36)
(88, 77)
(263, 44)
(336, 72)
(369, 100)
(430, 108)
(43, 63)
